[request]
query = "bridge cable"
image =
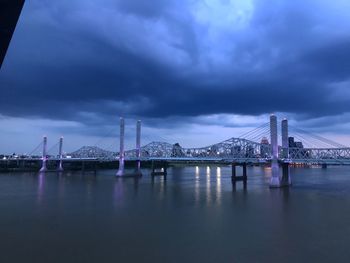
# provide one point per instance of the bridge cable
(259, 136)
(306, 142)
(106, 135)
(36, 149)
(55, 146)
(252, 131)
(320, 138)
(258, 133)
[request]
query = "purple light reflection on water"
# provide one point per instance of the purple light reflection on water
(189, 217)
(41, 187)
(118, 191)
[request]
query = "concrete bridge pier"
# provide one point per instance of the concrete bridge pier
(276, 179)
(121, 170)
(83, 166)
(121, 150)
(60, 163)
(275, 176)
(138, 149)
(233, 176)
(286, 179)
(324, 166)
(245, 172)
(44, 156)
(159, 168)
(236, 178)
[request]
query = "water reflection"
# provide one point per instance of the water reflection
(212, 182)
(197, 171)
(158, 184)
(239, 187)
(218, 185)
(61, 183)
(118, 191)
(197, 186)
(41, 187)
(125, 188)
(208, 185)
(312, 215)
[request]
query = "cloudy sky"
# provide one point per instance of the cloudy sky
(194, 71)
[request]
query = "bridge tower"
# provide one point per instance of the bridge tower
(60, 166)
(285, 180)
(285, 144)
(121, 150)
(138, 148)
(44, 156)
(275, 177)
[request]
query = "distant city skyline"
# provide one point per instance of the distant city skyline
(194, 72)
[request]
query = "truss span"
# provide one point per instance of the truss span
(233, 148)
(320, 155)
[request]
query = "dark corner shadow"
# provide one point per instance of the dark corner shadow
(10, 11)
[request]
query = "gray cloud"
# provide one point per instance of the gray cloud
(90, 61)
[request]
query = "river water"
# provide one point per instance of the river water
(195, 215)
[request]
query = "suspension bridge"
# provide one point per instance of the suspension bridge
(259, 146)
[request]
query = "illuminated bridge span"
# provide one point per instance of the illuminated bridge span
(245, 150)
(231, 149)
(241, 150)
(258, 146)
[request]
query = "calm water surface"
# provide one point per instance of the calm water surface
(195, 215)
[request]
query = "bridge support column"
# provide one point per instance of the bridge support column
(245, 172)
(60, 165)
(275, 176)
(161, 165)
(121, 151)
(324, 166)
(236, 178)
(233, 176)
(286, 179)
(138, 148)
(44, 157)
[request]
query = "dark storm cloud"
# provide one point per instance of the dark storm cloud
(93, 60)
(331, 62)
(150, 9)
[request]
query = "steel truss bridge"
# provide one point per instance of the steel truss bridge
(239, 150)
(246, 149)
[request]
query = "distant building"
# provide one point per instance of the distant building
(299, 145)
(264, 148)
(213, 150)
(293, 144)
(177, 151)
(264, 140)
(298, 151)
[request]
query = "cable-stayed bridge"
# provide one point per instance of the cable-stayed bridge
(262, 145)
(253, 146)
